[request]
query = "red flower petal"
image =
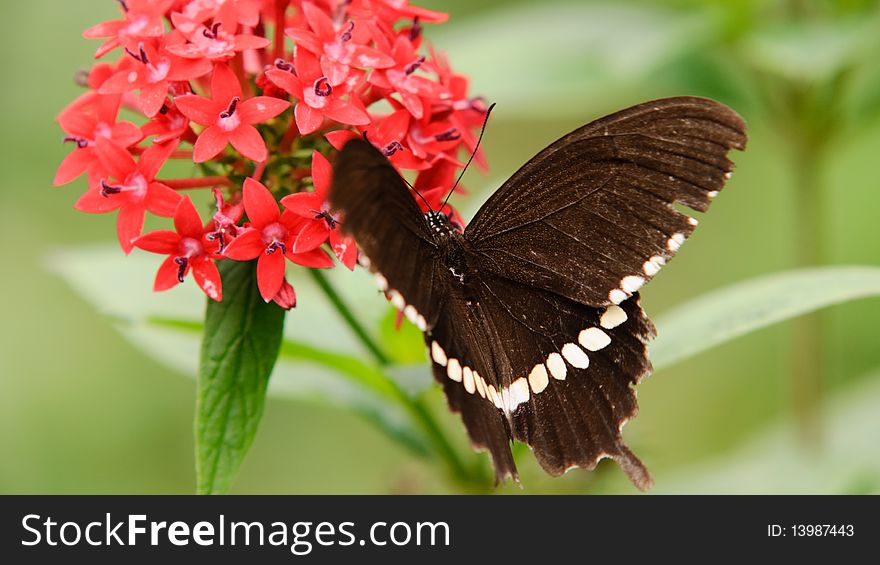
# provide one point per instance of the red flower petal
(316, 258)
(340, 137)
(164, 242)
(74, 164)
(319, 21)
(224, 85)
(166, 276)
(104, 29)
(307, 118)
(311, 235)
(207, 277)
(76, 122)
(370, 58)
(154, 157)
(123, 81)
(413, 104)
(335, 71)
(259, 203)
(246, 139)
(129, 224)
(322, 173)
(393, 128)
(187, 221)
(261, 108)
(270, 274)
(347, 113)
(344, 248)
(286, 297)
(210, 142)
(161, 200)
(307, 67)
(306, 39)
(126, 134)
(286, 81)
(246, 246)
(152, 98)
(116, 160)
(93, 202)
(188, 69)
(303, 204)
(250, 42)
(199, 109)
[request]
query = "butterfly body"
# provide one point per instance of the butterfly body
(531, 313)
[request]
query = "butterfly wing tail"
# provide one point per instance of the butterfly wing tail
(486, 428)
(633, 467)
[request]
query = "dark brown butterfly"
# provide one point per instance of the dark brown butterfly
(531, 315)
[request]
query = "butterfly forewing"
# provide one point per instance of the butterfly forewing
(531, 317)
(380, 212)
(591, 217)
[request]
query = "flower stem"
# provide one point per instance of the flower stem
(278, 47)
(417, 408)
(349, 318)
(808, 346)
(196, 182)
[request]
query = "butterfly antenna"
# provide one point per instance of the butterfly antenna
(476, 147)
(419, 194)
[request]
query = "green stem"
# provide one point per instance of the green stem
(349, 317)
(416, 407)
(808, 346)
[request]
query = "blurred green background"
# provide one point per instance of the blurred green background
(82, 410)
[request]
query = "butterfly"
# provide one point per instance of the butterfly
(531, 314)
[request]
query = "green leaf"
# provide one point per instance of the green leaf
(240, 346)
(736, 310)
(319, 362)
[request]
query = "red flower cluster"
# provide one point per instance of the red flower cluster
(204, 74)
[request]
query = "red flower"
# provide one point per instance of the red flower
(143, 18)
(286, 297)
(152, 70)
(134, 190)
(317, 96)
(85, 127)
(388, 135)
(187, 249)
(435, 140)
(190, 71)
(338, 48)
(216, 43)
(168, 123)
(320, 224)
(402, 79)
(228, 118)
(463, 112)
(270, 236)
(225, 219)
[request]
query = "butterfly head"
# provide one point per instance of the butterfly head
(442, 225)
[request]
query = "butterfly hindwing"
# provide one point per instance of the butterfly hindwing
(571, 368)
(461, 353)
(591, 217)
